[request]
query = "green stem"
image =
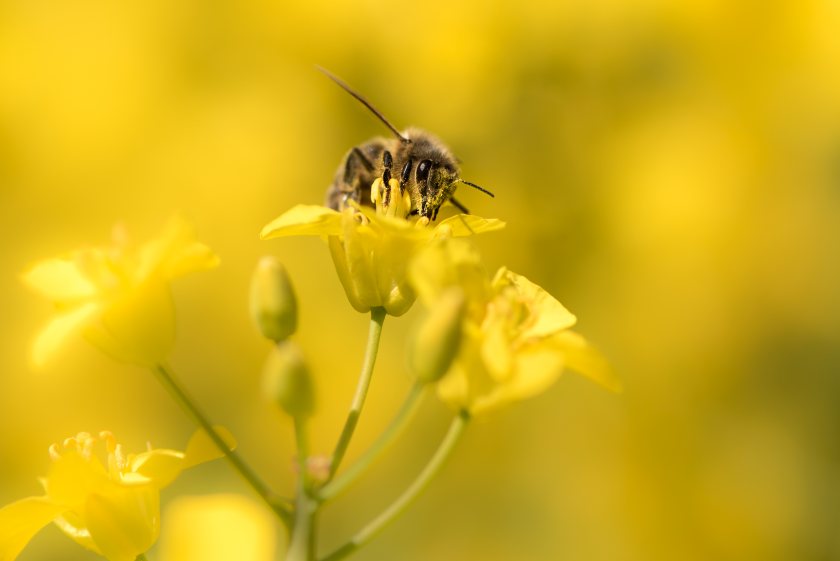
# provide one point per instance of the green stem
(141, 557)
(456, 429)
(377, 318)
(398, 424)
(167, 379)
(302, 544)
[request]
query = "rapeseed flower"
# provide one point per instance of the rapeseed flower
(118, 297)
(371, 250)
(111, 508)
(516, 338)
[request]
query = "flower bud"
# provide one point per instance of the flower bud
(287, 382)
(273, 303)
(437, 341)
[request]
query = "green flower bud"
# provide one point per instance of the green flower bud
(437, 341)
(287, 382)
(273, 303)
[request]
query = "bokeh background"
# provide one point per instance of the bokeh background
(669, 170)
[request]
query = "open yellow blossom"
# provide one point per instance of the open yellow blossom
(111, 508)
(371, 250)
(516, 336)
(118, 297)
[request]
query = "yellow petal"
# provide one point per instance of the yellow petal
(468, 224)
(21, 520)
(584, 359)
(157, 467)
(449, 263)
(202, 449)
(217, 528)
(190, 258)
(340, 261)
(59, 280)
(549, 315)
(467, 378)
(390, 261)
(304, 220)
(537, 368)
(73, 526)
(125, 522)
(175, 253)
(359, 250)
(139, 327)
(160, 467)
(59, 329)
(72, 478)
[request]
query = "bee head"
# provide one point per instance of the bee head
(431, 170)
(436, 182)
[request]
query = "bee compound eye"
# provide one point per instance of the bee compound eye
(423, 169)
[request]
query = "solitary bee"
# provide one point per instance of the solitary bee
(427, 170)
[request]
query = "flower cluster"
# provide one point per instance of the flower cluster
(515, 338)
(486, 341)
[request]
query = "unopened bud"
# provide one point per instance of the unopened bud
(437, 341)
(273, 302)
(287, 382)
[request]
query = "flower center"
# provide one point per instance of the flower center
(84, 445)
(390, 199)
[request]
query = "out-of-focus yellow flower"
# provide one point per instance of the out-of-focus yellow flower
(516, 339)
(118, 297)
(217, 528)
(111, 508)
(370, 250)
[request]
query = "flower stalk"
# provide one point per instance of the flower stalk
(302, 545)
(394, 429)
(377, 318)
(165, 376)
(363, 536)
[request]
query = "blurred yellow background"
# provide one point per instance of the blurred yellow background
(669, 170)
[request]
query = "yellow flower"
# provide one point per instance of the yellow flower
(516, 340)
(118, 297)
(371, 250)
(217, 528)
(111, 508)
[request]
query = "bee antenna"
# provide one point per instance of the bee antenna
(474, 186)
(363, 101)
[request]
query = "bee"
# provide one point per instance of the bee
(422, 165)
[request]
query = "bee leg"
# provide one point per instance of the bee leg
(387, 162)
(405, 175)
(434, 216)
(362, 158)
(458, 205)
(386, 182)
(351, 166)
